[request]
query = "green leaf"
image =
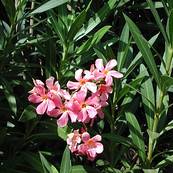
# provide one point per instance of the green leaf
(166, 82)
(136, 134)
(167, 161)
(28, 114)
(58, 26)
(83, 169)
(10, 9)
(128, 87)
(170, 28)
(53, 169)
(144, 48)
(137, 60)
(76, 25)
(118, 139)
(62, 132)
(46, 165)
(123, 47)
(151, 170)
(96, 19)
(93, 40)
(158, 20)
(153, 135)
(33, 160)
(148, 97)
(66, 162)
(49, 5)
(168, 127)
(8, 91)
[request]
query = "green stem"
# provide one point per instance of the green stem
(152, 141)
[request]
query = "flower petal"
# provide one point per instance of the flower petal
(91, 111)
(85, 136)
(91, 86)
(80, 96)
(78, 74)
(41, 108)
(99, 147)
(73, 85)
(49, 82)
(34, 98)
(97, 138)
(111, 64)
(73, 116)
(99, 64)
(115, 74)
(108, 80)
(50, 105)
(63, 120)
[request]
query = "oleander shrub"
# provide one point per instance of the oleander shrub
(86, 86)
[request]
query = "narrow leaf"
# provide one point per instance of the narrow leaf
(136, 134)
(66, 162)
(144, 48)
(148, 97)
(49, 5)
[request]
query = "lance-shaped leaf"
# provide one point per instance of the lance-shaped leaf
(66, 162)
(148, 97)
(49, 5)
(96, 19)
(136, 134)
(144, 48)
(93, 40)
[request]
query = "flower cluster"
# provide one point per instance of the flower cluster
(82, 144)
(88, 96)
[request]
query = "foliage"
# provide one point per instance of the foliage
(39, 39)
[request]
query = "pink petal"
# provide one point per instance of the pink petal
(78, 74)
(57, 101)
(91, 154)
(115, 74)
(97, 138)
(91, 111)
(34, 98)
(85, 136)
(54, 113)
(63, 120)
(100, 113)
(50, 105)
(91, 86)
(82, 115)
(80, 96)
(38, 82)
(49, 82)
(99, 64)
(65, 94)
(99, 148)
(93, 100)
(41, 108)
(73, 116)
(108, 80)
(73, 85)
(111, 64)
(40, 90)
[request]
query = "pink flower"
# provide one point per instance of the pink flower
(52, 86)
(107, 72)
(73, 139)
(91, 146)
(86, 109)
(83, 82)
(39, 95)
(64, 111)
